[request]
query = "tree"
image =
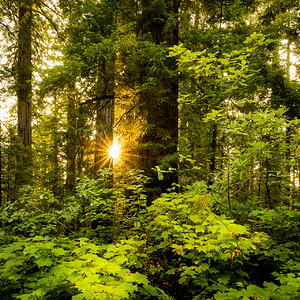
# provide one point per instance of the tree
(157, 27)
(24, 78)
(90, 49)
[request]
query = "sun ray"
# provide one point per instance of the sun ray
(115, 150)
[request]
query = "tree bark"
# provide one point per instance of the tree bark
(104, 134)
(160, 104)
(104, 116)
(24, 91)
(213, 153)
(71, 148)
(24, 77)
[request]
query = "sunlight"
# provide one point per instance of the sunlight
(115, 150)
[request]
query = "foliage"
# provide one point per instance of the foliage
(230, 228)
(63, 268)
(178, 243)
(35, 212)
(189, 251)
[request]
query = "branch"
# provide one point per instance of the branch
(8, 30)
(177, 4)
(96, 99)
(197, 85)
(52, 23)
(122, 117)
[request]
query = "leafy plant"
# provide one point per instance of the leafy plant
(63, 268)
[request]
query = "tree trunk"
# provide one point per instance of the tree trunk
(0, 165)
(104, 134)
(24, 89)
(54, 158)
(24, 85)
(160, 105)
(104, 116)
(71, 138)
(213, 153)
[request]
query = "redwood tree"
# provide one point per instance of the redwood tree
(24, 86)
(158, 24)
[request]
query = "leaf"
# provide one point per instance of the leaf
(78, 297)
(59, 251)
(194, 218)
(14, 247)
(38, 238)
(43, 261)
(238, 229)
(113, 268)
(138, 278)
(60, 271)
(183, 280)
(224, 61)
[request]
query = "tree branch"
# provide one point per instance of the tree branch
(98, 98)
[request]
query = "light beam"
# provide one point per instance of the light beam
(115, 150)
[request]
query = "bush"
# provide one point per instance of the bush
(190, 252)
(36, 268)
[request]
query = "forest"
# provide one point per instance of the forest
(149, 149)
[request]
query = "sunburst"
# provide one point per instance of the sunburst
(115, 150)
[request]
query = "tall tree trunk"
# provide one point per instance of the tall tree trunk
(82, 138)
(24, 85)
(71, 149)
(24, 88)
(104, 117)
(104, 134)
(160, 104)
(56, 171)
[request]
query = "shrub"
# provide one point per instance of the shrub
(36, 268)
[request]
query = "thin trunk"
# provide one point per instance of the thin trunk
(228, 185)
(71, 138)
(268, 193)
(81, 123)
(289, 130)
(104, 134)
(221, 14)
(55, 154)
(213, 150)
(259, 180)
(104, 119)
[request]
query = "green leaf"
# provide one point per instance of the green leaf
(43, 261)
(59, 251)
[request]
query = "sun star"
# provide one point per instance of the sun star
(115, 149)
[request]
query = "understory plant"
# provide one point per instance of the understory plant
(63, 268)
(178, 246)
(190, 252)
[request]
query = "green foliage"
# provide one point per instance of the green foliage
(238, 131)
(92, 205)
(36, 212)
(64, 268)
(95, 210)
(280, 223)
(218, 75)
(183, 244)
(187, 250)
(178, 246)
(256, 159)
